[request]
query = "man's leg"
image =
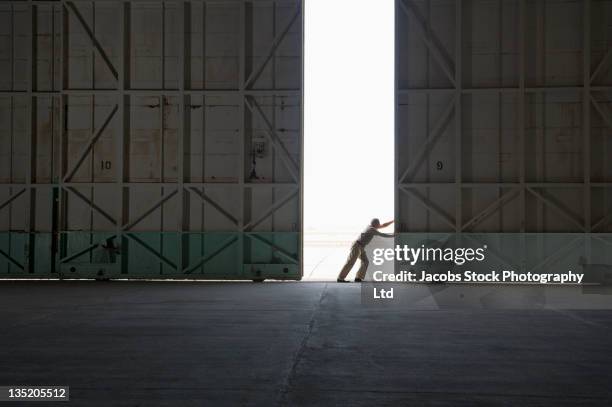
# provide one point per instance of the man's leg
(364, 264)
(350, 261)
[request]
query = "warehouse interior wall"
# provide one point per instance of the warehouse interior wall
(348, 128)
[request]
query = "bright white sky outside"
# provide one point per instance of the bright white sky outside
(348, 123)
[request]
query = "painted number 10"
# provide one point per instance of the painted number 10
(106, 165)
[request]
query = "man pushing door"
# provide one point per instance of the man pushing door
(358, 250)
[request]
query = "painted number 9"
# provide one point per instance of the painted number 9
(439, 165)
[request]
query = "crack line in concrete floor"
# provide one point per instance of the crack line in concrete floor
(286, 386)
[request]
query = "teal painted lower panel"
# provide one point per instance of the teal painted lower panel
(274, 271)
(13, 259)
(150, 255)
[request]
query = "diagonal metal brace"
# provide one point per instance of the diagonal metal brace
(558, 208)
(275, 140)
(284, 252)
(11, 259)
(603, 222)
(84, 251)
(92, 205)
(491, 209)
(205, 259)
(215, 205)
(603, 64)
(604, 116)
(149, 211)
(151, 250)
(249, 226)
(80, 253)
(93, 39)
(275, 43)
(11, 198)
(94, 138)
(432, 43)
(430, 206)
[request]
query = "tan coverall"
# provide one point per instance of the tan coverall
(357, 251)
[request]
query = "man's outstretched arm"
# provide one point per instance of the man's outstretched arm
(385, 234)
(381, 234)
(384, 225)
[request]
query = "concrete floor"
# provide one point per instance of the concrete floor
(312, 344)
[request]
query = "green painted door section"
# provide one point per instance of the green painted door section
(149, 255)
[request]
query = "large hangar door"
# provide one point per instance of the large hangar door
(502, 108)
(151, 139)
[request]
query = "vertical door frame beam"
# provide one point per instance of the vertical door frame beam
(123, 103)
(521, 132)
(242, 133)
(586, 113)
(183, 131)
(458, 114)
(31, 154)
